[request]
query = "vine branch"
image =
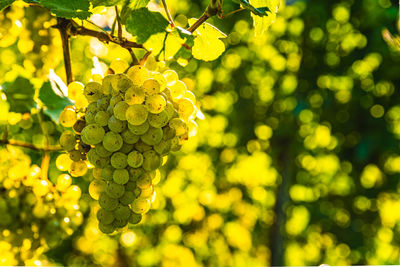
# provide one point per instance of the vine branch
(214, 8)
(171, 21)
(19, 143)
(62, 26)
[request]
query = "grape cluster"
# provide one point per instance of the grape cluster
(131, 122)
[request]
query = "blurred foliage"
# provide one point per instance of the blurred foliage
(296, 162)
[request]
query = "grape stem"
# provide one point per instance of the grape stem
(19, 143)
(169, 16)
(62, 27)
(214, 8)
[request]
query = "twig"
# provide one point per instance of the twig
(62, 26)
(232, 12)
(19, 143)
(214, 8)
(144, 58)
(119, 23)
(135, 60)
(171, 21)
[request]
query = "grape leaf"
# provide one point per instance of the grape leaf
(143, 23)
(20, 95)
(261, 24)
(261, 11)
(53, 103)
(68, 8)
(5, 3)
(105, 2)
(207, 44)
(131, 5)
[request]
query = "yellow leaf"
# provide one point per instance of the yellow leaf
(261, 24)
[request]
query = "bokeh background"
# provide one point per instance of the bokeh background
(297, 161)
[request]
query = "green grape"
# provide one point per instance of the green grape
(63, 182)
(126, 148)
(179, 125)
(144, 181)
(96, 187)
(89, 117)
(106, 84)
(147, 192)
(121, 176)
(130, 186)
(105, 216)
(83, 148)
(103, 103)
(107, 173)
(158, 120)
(124, 84)
(107, 202)
(152, 136)
(75, 89)
(101, 118)
(119, 160)
(106, 228)
(135, 173)
(119, 66)
(26, 122)
(170, 76)
(135, 218)
(75, 155)
(114, 82)
(151, 87)
(92, 107)
(114, 190)
(93, 91)
(155, 103)
(120, 110)
(136, 114)
(96, 173)
(169, 108)
(141, 205)
(112, 141)
(135, 159)
(120, 223)
(175, 144)
(127, 198)
(96, 160)
(160, 79)
(162, 148)
(167, 94)
(134, 95)
(122, 212)
(151, 160)
(67, 140)
(78, 168)
(129, 137)
(116, 125)
(114, 100)
(63, 162)
(68, 117)
(139, 129)
(142, 147)
(78, 126)
(168, 133)
(186, 108)
(178, 89)
(101, 151)
(92, 134)
(138, 74)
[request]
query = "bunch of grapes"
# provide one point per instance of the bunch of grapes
(35, 213)
(131, 123)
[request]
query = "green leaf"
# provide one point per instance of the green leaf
(5, 3)
(261, 11)
(131, 5)
(261, 24)
(68, 8)
(143, 23)
(53, 102)
(20, 95)
(207, 44)
(96, 3)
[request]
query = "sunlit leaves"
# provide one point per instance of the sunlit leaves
(131, 5)
(20, 95)
(261, 11)
(68, 8)
(5, 3)
(143, 23)
(261, 24)
(53, 103)
(105, 2)
(207, 44)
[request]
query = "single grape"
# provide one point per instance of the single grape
(63, 182)
(106, 85)
(119, 160)
(96, 187)
(126, 148)
(178, 89)
(120, 110)
(103, 102)
(124, 84)
(135, 218)
(107, 173)
(144, 181)
(74, 90)
(129, 137)
(155, 103)
(127, 198)
(101, 118)
(141, 205)
(151, 86)
(68, 116)
(114, 190)
(122, 212)
(160, 79)
(171, 76)
(162, 148)
(142, 147)
(116, 125)
(96, 160)
(78, 168)
(90, 117)
(121, 176)
(92, 134)
(105, 216)
(78, 126)
(63, 162)
(67, 140)
(96, 173)
(168, 133)
(186, 108)
(106, 228)
(93, 91)
(130, 186)
(120, 223)
(175, 144)
(134, 95)
(135, 173)
(153, 136)
(112, 141)
(151, 160)
(114, 100)
(138, 74)
(135, 159)
(139, 129)
(107, 202)
(116, 79)
(147, 192)
(136, 114)
(158, 120)
(179, 125)
(101, 151)
(75, 155)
